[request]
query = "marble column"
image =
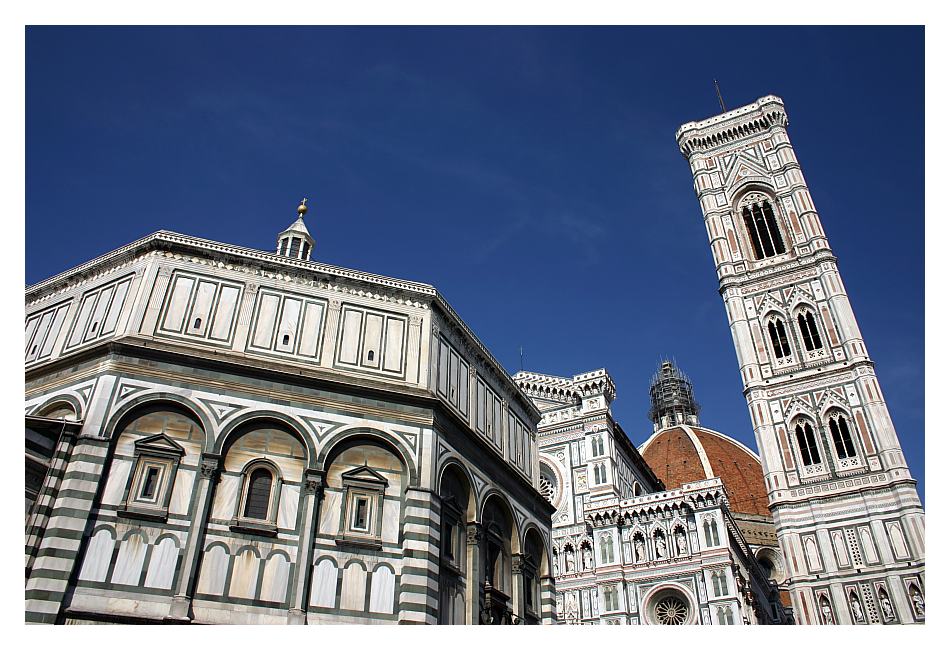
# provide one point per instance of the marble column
(517, 587)
(312, 496)
(180, 609)
(473, 570)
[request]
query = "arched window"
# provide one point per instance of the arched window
(712, 533)
(809, 331)
(779, 339)
(257, 499)
(841, 436)
(807, 445)
(762, 227)
(600, 474)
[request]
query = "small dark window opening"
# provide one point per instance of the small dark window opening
(361, 514)
(286, 339)
(149, 483)
(258, 494)
(763, 230)
(370, 355)
(841, 435)
(295, 247)
(33, 350)
(94, 326)
(807, 444)
(306, 250)
(197, 323)
(283, 246)
(779, 339)
(809, 330)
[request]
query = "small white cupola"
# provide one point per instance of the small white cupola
(296, 241)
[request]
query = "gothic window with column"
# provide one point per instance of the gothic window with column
(778, 337)
(808, 328)
(761, 224)
(841, 436)
(807, 444)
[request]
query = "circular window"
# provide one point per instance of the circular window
(671, 610)
(547, 484)
(669, 605)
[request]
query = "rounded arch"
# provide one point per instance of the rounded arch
(534, 544)
(330, 558)
(353, 561)
(251, 420)
(131, 409)
(57, 402)
(747, 186)
(216, 544)
(105, 527)
(494, 496)
(248, 547)
(168, 535)
(455, 465)
(347, 434)
(254, 463)
(277, 551)
(136, 531)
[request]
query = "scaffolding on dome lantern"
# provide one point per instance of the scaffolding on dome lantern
(671, 398)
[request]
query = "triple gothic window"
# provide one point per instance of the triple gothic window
(807, 445)
(763, 229)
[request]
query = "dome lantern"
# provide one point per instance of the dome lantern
(295, 242)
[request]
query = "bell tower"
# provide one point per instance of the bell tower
(848, 517)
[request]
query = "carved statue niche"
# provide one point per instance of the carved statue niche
(569, 559)
(660, 542)
(917, 601)
(639, 549)
(886, 608)
(856, 610)
(588, 557)
(681, 542)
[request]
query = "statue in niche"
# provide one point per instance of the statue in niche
(569, 560)
(826, 615)
(680, 542)
(917, 600)
(588, 558)
(638, 549)
(886, 605)
(556, 565)
(660, 547)
(856, 609)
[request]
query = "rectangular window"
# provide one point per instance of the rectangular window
(149, 483)
(360, 514)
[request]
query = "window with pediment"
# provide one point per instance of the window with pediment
(149, 489)
(362, 513)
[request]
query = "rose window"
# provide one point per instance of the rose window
(671, 611)
(547, 484)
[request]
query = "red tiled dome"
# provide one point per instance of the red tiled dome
(676, 454)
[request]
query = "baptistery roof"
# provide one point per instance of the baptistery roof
(684, 453)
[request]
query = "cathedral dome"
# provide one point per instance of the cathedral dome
(683, 454)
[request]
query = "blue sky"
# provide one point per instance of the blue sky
(531, 174)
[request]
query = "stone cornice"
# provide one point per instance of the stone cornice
(720, 130)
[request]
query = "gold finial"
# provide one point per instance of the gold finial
(302, 208)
